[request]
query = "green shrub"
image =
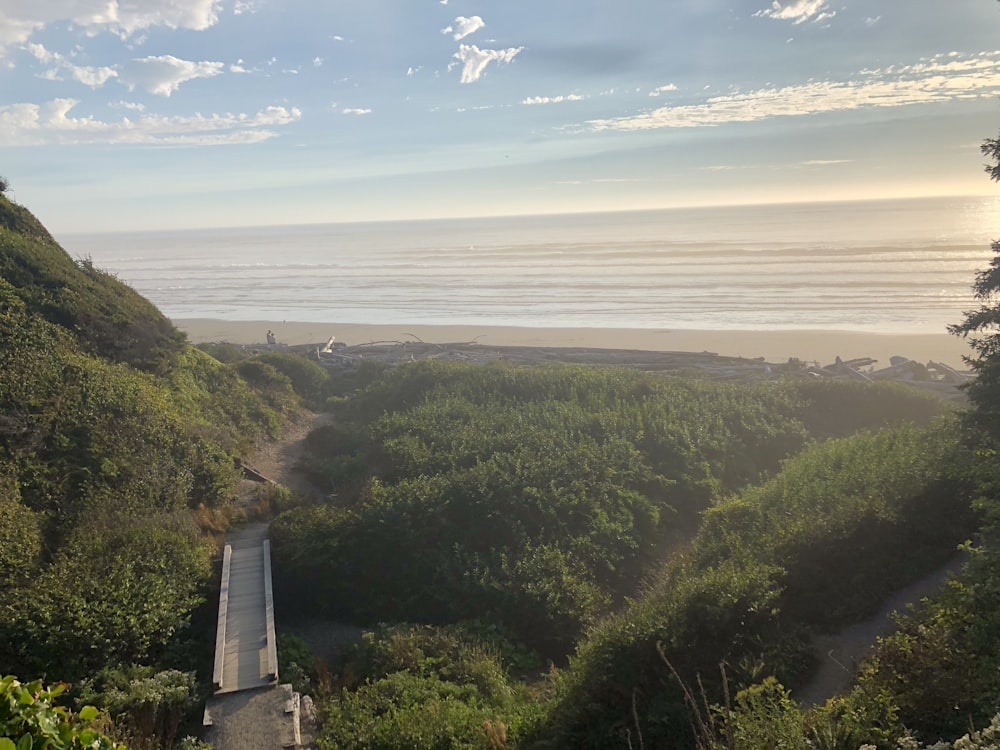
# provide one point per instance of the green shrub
(31, 715)
(308, 378)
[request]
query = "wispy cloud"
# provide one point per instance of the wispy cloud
(797, 11)
(163, 74)
(52, 123)
(824, 162)
(552, 99)
(475, 60)
(93, 76)
(244, 6)
(943, 78)
(355, 111)
(463, 27)
(660, 90)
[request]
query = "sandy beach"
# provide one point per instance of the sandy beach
(774, 346)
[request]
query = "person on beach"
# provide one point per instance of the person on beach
(271, 338)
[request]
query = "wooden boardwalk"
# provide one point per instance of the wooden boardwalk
(245, 651)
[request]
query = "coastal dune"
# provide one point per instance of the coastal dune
(822, 346)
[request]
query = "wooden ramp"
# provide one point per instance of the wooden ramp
(245, 651)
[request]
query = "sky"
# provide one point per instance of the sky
(169, 114)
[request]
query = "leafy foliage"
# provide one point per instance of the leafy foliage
(536, 499)
(423, 687)
(31, 715)
(146, 707)
(117, 592)
(821, 543)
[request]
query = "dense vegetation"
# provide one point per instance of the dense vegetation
(536, 499)
(551, 557)
(117, 448)
(611, 513)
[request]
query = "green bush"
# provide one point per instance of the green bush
(30, 716)
(534, 498)
(308, 378)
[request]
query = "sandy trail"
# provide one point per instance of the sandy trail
(840, 653)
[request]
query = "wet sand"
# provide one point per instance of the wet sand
(774, 346)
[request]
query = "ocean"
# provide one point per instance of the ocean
(892, 266)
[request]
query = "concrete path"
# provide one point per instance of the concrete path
(246, 616)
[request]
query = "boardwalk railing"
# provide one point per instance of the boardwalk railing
(220, 628)
(272, 646)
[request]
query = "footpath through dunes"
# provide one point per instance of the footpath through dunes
(840, 653)
(251, 710)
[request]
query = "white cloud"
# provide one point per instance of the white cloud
(40, 53)
(317, 62)
(91, 76)
(87, 75)
(163, 74)
(134, 106)
(20, 19)
(659, 90)
(552, 99)
(244, 6)
(797, 11)
(939, 79)
(824, 162)
(872, 20)
(475, 60)
(51, 123)
(463, 27)
(355, 111)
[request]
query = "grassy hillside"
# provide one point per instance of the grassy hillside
(116, 438)
(105, 316)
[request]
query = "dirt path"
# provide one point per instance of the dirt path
(839, 654)
(278, 459)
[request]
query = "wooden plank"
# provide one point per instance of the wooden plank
(220, 627)
(272, 646)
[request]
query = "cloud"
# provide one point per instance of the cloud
(91, 76)
(475, 60)
(940, 79)
(244, 6)
(824, 162)
(659, 90)
(552, 99)
(52, 124)
(797, 11)
(872, 20)
(163, 74)
(463, 27)
(134, 106)
(355, 111)
(21, 19)
(87, 75)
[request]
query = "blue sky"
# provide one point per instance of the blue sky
(159, 114)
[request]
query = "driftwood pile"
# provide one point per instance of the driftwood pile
(340, 357)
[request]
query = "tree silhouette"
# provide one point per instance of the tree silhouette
(981, 327)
